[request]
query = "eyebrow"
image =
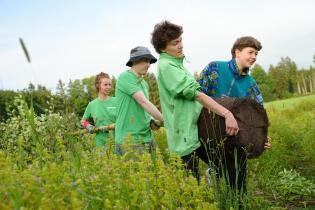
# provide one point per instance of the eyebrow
(176, 40)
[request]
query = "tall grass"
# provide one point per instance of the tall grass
(44, 166)
(285, 174)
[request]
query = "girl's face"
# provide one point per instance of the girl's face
(175, 48)
(105, 86)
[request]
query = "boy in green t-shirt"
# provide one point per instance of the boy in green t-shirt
(102, 110)
(181, 98)
(133, 105)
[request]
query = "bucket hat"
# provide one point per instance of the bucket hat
(138, 53)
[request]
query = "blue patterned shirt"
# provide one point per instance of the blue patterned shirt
(223, 79)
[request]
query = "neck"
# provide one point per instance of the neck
(178, 57)
(102, 96)
(134, 70)
(240, 67)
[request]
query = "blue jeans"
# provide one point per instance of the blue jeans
(140, 148)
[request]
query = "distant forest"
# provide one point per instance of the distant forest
(284, 80)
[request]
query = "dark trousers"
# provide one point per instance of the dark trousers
(140, 148)
(191, 161)
(230, 165)
(233, 167)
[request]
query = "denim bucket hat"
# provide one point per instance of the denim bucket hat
(138, 53)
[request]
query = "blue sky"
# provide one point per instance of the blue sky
(76, 39)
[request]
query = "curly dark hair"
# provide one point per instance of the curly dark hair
(163, 33)
(98, 80)
(245, 41)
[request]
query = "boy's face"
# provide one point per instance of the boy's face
(105, 86)
(141, 66)
(174, 48)
(246, 57)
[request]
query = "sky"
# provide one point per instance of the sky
(71, 40)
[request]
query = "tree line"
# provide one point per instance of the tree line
(284, 80)
(70, 98)
(281, 81)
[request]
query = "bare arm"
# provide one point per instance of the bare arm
(212, 105)
(147, 105)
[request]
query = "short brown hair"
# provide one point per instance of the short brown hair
(245, 41)
(163, 33)
(98, 80)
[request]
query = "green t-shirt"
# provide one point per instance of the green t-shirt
(177, 90)
(132, 119)
(103, 112)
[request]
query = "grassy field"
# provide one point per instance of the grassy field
(288, 103)
(284, 176)
(44, 166)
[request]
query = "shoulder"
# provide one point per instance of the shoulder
(216, 65)
(213, 64)
(126, 77)
(123, 75)
(212, 68)
(251, 79)
(165, 63)
(91, 103)
(253, 84)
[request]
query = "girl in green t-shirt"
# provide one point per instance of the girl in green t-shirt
(100, 114)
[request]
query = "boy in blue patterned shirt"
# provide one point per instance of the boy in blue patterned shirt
(231, 78)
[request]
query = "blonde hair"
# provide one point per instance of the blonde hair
(98, 80)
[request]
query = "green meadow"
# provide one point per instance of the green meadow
(45, 164)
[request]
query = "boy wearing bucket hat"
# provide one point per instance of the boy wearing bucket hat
(133, 105)
(181, 98)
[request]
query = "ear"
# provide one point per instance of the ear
(163, 50)
(237, 52)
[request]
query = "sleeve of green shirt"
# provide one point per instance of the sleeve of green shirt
(87, 113)
(113, 115)
(127, 83)
(179, 83)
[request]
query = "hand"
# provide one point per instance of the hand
(90, 128)
(268, 143)
(111, 127)
(231, 124)
(106, 128)
(103, 129)
(155, 124)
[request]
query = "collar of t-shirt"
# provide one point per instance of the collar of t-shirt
(235, 70)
